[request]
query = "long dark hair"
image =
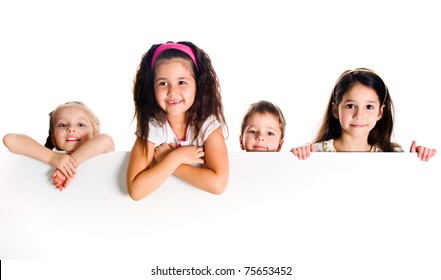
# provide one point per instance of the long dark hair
(381, 134)
(207, 101)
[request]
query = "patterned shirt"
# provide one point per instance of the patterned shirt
(328, 146)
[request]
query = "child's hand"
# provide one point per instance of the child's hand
(162, 151)
(190, 154)
(65, 163)
(423, 153)
(59, 180)
(186, 155)
(303, 152)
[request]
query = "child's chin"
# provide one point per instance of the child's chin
(71, 148)
(260, 150)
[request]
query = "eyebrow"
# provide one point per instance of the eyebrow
(369, 101)
(178, 78)
(266, 127)
(80, 119)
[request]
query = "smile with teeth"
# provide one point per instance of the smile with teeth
(73, 139)
(172, 102)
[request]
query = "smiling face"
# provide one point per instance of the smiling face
(358, 111)
(72, 127)
(175, 87)
(262, 134)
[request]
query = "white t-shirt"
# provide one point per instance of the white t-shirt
(164, 134)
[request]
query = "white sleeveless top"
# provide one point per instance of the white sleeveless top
(164, 134)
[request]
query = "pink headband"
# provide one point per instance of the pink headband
(184, 48)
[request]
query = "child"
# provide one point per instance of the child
(263, 128)
(74, 129)
(359, 118)
(180, 117)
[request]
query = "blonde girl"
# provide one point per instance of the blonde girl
(74, 137)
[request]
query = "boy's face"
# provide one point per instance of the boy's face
(262, 134)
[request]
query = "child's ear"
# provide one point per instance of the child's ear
(241, 142)
(380, 112)
(280, 145)
(335, 110)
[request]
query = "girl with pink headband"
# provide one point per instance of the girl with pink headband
(180, 121)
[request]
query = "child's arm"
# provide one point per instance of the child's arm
(25, 145)
(214, 177)
(143, 177)
(423, 153)
(303, 152)
(98, 144)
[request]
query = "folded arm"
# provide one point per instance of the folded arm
(213, 177)
(98, 144)
(144, 177)
(24, 145)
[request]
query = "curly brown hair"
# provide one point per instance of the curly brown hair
(207, 101)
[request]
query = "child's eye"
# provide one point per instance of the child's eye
(162, 83)
(61, 125)
(182, 83)
(252, 131)
(350, 106)
(81, 125)
(370, 107)
(271, 133)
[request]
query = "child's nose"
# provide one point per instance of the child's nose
(260, 137)
(173, 89)
(359, 113)
(71, 128)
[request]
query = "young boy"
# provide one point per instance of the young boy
(263, 128)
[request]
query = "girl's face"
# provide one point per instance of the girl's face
(262, 134)
(175, 86)
(358, 111)
(72, 128)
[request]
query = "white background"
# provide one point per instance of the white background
(52, 52)
(288, 52)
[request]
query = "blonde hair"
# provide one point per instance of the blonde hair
(93, 119)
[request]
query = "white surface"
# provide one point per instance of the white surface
(334, 216)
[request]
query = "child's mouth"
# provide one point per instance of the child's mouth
(174, 102)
